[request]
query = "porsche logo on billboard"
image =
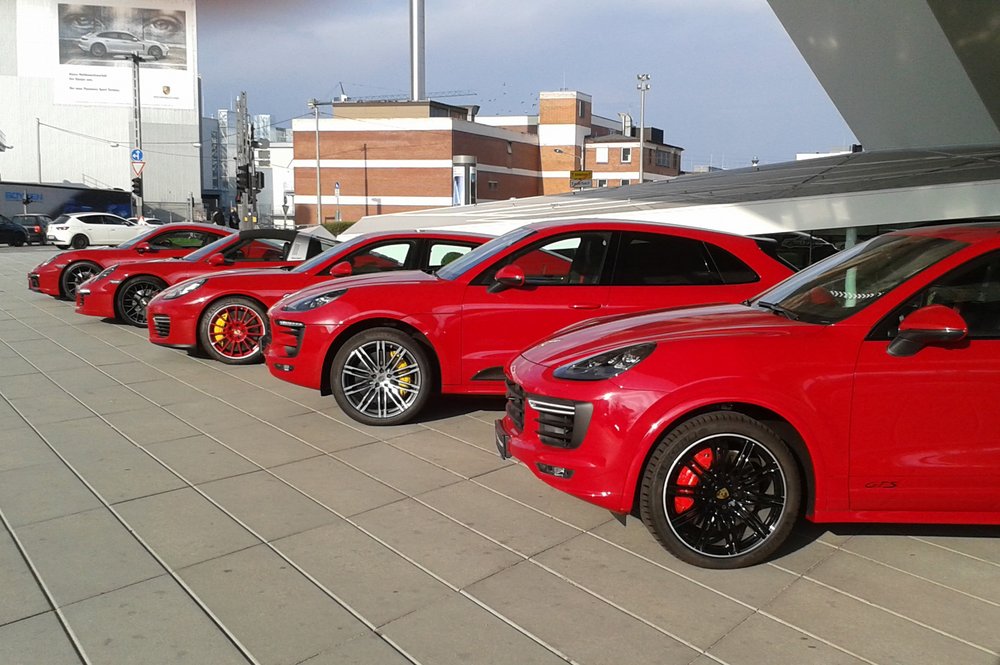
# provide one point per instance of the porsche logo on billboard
(166, 89)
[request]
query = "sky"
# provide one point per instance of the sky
(726, 82)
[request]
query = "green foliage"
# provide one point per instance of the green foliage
(336, 228)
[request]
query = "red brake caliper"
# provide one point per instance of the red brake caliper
(688, 478)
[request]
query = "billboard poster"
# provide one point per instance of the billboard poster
(95, 47)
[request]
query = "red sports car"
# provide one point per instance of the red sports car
(863, 388)
(60, 275)
(121, 291)
(225, 314)
(383, 343)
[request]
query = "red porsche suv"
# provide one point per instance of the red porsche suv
(382, 344)
(862, 389)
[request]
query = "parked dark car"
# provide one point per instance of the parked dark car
(35, 225)
(11, 233)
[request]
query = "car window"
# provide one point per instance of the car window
(380, 258)
(731, 268)
(258, 249)
(182, 240)
(654, 259)
(972, 290)
(443, 253)
(569, 260)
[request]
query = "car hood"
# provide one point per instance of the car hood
(607, 334)
(389, 280)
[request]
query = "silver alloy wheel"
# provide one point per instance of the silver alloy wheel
(381, 379)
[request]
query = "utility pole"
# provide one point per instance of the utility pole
(243, 159)
(138, 189)
(642, 86)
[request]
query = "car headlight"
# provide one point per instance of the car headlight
(181, 289)
(605, 365)
(312, 302)
(104, 273)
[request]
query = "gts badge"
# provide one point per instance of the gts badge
(880, 485)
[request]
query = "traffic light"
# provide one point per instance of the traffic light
(137, 186)
(258, 181)
(243, 177)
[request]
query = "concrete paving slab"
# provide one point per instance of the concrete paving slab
(114, 399)
(167, 391)
(337, 486)
(35, 640)
(268, 506)
(23, 447)
(21, 597)
(458, 631)
(270, 607)
(324, 433)
(364, 650)
(965, 562)
(41, 408)
(397, 469)
(262, 443)
(364, 573)
(200, 459)
(85, 555)
(763, 641)
(449, 550)
(151, 425)
(208, 413)
(29, 384)
(42, 492)
(523, 529)
(151, 622)
(81, 379)
(447, 452)
(575, 622)
(185, 528)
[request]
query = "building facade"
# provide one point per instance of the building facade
(68, 103)
(385, 157)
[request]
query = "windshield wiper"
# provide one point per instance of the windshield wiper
(778, 309)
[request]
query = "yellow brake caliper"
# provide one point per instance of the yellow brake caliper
(406, 379)
(219, 327)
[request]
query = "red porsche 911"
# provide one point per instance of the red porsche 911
(60, 275)
(122, 291)
(224, 314)
(384, 343)
(862, 389)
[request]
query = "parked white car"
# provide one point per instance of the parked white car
(117, 42)
(81, 229)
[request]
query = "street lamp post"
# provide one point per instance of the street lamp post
(314, 104)
(642, 86)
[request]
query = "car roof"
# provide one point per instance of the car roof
(438, 234)
(984, 231)
(628, 225)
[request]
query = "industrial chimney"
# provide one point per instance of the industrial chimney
(417, 91)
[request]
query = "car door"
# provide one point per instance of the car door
(563, 285)
(118, 230)
(95, 228)
(926, 427)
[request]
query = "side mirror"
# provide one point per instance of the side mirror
(342, 269)
(934, 324)
(509, 277)
(144, 247)
(216, 260)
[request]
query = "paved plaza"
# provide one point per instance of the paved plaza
(157, 507)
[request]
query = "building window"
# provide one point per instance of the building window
(601, 182)
(626, 155)
(601, 155)
(493, 185)
(626, 182)
(662, 158)
(579, 108)
(510, 147)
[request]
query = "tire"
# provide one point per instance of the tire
(74, 274)
(381, 377)
(156, 52)
(17, 242)
(721, 491)
(62, 246)
(230, 331)
(133, 296)
(99, 50)
(79, 241)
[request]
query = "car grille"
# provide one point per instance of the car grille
(33, 281)
(161, 325)
(515, 404)
(556, 420)
(289, 337)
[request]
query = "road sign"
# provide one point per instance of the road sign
(137, 168)
(136, 155)
(579, 179)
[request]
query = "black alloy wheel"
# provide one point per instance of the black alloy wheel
(381, 377)
(80, 241)
(721, 491)
(133, 296)
(76, 274)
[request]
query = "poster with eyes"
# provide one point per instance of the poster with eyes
(99, 45)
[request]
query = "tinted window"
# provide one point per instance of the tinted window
(260, 249)
(388, 256)
(652, 259)
(443, 253)
(732, 269)
(182, 240)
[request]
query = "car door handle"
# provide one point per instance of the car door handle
(585, 305)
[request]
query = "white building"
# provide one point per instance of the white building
(69, 112)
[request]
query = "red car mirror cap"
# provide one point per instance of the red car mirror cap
(143, 247)
(216, 260)
(341, 269)
(934, 324)
(508, 277)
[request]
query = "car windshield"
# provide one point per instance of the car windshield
(325, 255)
(209, 249)
(845, 283)
(482, 254)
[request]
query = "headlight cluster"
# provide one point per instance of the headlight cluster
(312, 302)
(104, 273)
(605, 365)
(182, 289)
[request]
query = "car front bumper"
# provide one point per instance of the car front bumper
(173, 323)
(296, 352)
(96, 299)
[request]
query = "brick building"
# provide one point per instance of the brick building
(386, 157)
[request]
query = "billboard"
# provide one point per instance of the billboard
(89, 52)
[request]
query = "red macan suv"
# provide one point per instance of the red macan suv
(862, 389)
(224, 314)
(382, 344)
